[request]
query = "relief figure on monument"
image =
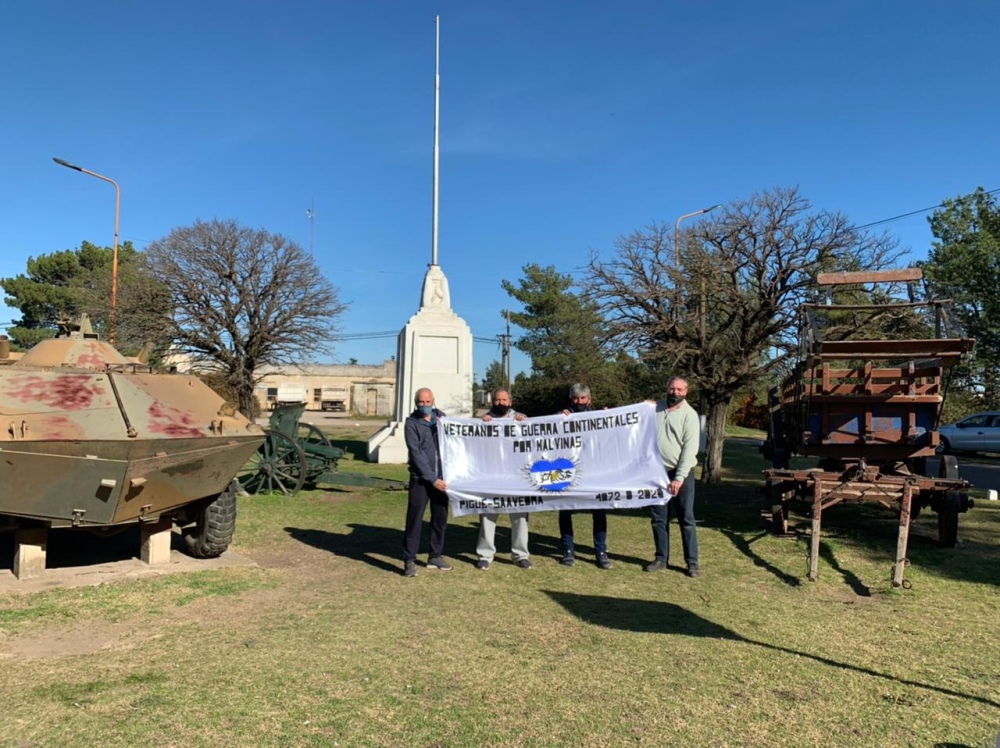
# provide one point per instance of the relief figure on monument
(436, 290)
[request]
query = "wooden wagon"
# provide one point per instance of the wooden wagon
(869, 411)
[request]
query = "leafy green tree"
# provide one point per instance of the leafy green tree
(725, 317)
(243, 298)
(964, 266)
(71, 282)
(493, 379)
(564, 337)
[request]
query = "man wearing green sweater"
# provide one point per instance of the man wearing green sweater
(678, 431)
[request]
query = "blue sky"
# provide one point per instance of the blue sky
(563, 126)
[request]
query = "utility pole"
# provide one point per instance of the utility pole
(505, 353)
(114, 256)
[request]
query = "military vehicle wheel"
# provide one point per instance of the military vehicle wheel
(279, 465)
(214, 525)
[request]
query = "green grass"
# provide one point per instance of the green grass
(109, 602)
(325, 644)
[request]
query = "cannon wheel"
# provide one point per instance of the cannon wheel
(279, 465)
(309, 434)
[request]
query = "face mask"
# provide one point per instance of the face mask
(426, 409)
(579, 407)
(673, 400)
(501, 410)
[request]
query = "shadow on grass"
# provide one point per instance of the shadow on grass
(370, 543)
(734, 509)
(743, 545)
(583, 530)
(852, 579)
(655, 617)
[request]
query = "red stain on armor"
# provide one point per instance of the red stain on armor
(172, 422)
(91, 360)
(65, 391)
(60, 427)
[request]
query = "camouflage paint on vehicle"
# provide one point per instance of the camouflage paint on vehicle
(89, 437)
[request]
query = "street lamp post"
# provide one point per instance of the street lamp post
(114, 255)
(677, 250)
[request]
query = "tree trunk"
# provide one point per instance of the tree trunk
(248, 405)
(716, 427)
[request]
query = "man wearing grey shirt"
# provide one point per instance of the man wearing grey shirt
(678, 431)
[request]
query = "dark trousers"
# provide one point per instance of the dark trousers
(422, 492)
(682, 507)
(600, 529)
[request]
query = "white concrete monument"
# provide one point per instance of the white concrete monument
(435, 347)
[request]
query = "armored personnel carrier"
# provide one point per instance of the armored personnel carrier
(93, 440)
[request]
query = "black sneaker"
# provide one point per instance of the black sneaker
(603, 562)
(410, 569)
(483, 564)
(568, 558)
(523, 564)
(438, 563)
(658, 564)
(693, 571)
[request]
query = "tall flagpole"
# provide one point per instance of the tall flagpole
(437, 123)
(311, 212)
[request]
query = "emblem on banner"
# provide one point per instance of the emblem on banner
(552, 475)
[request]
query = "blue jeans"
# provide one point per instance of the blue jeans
(682, 507)
(600, 530)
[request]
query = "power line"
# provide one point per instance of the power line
(917, 212)
(367, 335)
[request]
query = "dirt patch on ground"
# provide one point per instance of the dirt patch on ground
(62, 641)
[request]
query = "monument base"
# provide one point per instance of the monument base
(387, 446)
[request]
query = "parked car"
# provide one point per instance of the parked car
(979, 432)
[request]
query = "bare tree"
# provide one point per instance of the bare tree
(243, 298)
(726, 316)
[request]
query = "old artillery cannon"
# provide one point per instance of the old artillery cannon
(869, 410)
(298, 455)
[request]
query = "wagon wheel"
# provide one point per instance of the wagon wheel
(279, 465)
(948, 519)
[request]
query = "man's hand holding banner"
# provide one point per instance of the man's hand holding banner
(600, 459)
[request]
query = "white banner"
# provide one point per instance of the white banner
(601, 459)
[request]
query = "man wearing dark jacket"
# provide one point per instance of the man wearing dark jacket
(579, 398)
(426, 485)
